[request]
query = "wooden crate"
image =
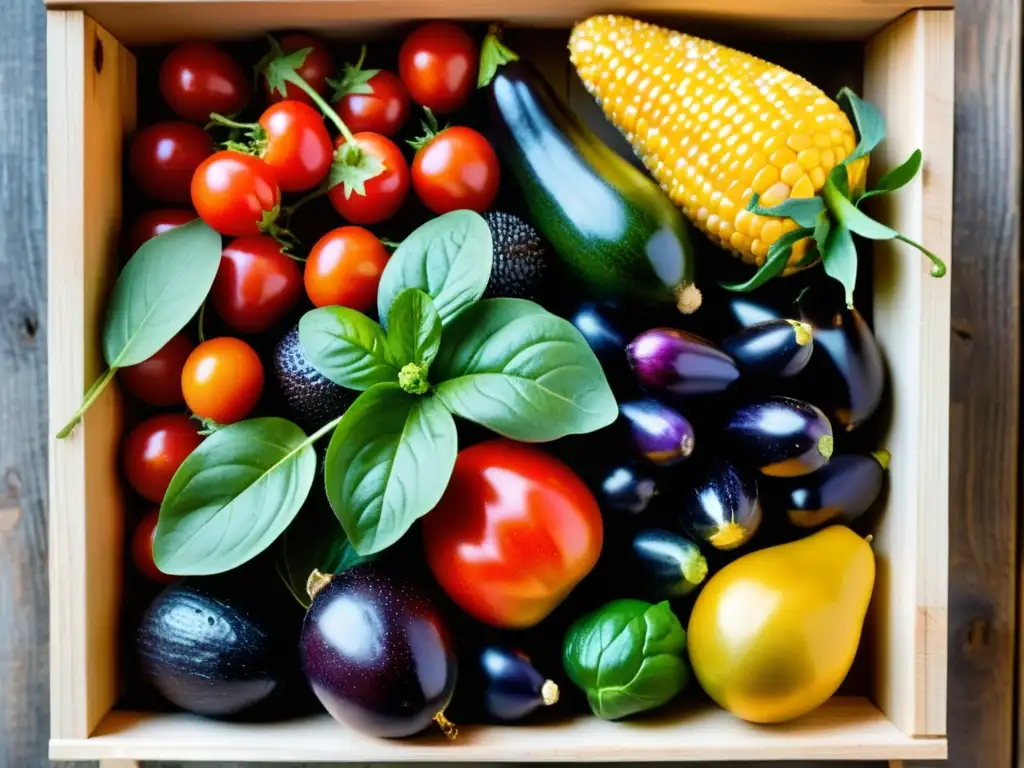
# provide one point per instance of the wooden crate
(907, 53)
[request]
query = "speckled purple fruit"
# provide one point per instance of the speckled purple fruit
(377, 654)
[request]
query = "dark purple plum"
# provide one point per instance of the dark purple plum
(779, 436)
(774, 348)
(666, 565)
(511, 687)
(659, 433)
(627, 488)
(669, 360)
(839, 492)
(376, 652)
(722, 506)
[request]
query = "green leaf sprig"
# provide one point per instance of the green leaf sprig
(160, 289)
(834, 216)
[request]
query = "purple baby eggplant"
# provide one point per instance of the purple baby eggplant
(722, 506)
(660, 434)
(666, 359)
(839, 492)
(780, 436)
(512, 687)
(627, 488)
(667, 566)
(775, 348)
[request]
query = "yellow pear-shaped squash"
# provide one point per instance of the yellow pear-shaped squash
(773, 634)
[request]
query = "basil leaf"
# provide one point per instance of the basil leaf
(159, 290)
(449, 258)
(627, 656)
(517, 369)
(840, 259)
(347, 347)
(388, 464)
(414, 328)
(233, 496)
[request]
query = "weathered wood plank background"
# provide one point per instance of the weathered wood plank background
(985, 722)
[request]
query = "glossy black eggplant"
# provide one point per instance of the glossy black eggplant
(840, 492)
(659, 433)
(627, 488)
(377, 653)
(847, 369)
(212, 650)
(779, 348)
(510, 685)
(670, 360)
(667, 566)
(742, 312)
(779, 436)
(601, 327)
(721, 506)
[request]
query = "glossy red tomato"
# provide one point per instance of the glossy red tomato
(164, 156)
(256, 284)
(438, 63)
(384, 193)
(154, 450)
(157, 379)
(384, 110)
(344, 268)
(297, 146)
(198, 78)
(458, 168)
(236, 194)
(153, 223)
(515, 531)
(142, 548)
(318, 66)
(222, 380)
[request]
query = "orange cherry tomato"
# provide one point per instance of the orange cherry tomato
(198, 78)
(236, 194)
(256, 284)
(344, 269)
(222, 380)
(153, 223)
(438, 63)
(297, 146)
(515, 531)
(157, 379)
(154, 450)
(382, 195)
(142, 548)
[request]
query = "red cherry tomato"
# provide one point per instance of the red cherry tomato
(297, 147)
(256, 284)
(384, 110)
(344, 269)
(318, 66)
(456, 169)
(153, 223)
(222, 380)
(198, 78)
(142, 548)
(384, 193)
(154, 450)
(157, 380)
(236, 194)
(438, 63)
(164, 156)
(515, 531)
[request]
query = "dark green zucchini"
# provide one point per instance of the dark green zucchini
(611, 225)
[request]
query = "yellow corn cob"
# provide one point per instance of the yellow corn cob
(714, 125)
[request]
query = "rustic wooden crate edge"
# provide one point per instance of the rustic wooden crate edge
(91, 108)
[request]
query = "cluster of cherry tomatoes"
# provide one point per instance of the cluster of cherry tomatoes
(234, 174)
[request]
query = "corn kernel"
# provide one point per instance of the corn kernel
(712, 222)
(828, 159)
(788, 225)
(821, 140)
(765, 178)
(809, 159)
(771, 231)
(817, 177)
(742, 221)
(803, 188)
(771, 144)
(792, 173)
(775, 195)
(798, 142)
(783, 157)
(759, 249)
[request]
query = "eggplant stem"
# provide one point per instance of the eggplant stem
(549, 693)
(803, 332)
(316, 581)
(688, 298)
(695, 570)
(447, 726)
(728, 536)
(882, 456)
(825, 446)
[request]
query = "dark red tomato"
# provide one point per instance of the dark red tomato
(153, 223)
(256, 284)
(344, 269)
(164, 156)
(438, 63)
(384, 193)
(384, 111)
(318, 66)
(154, 450)
(456, 169)
(198, 78)
(515, 531)
(222, 380)
(157, 380)
(298, 146)
(142, 548)
(236, 194)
